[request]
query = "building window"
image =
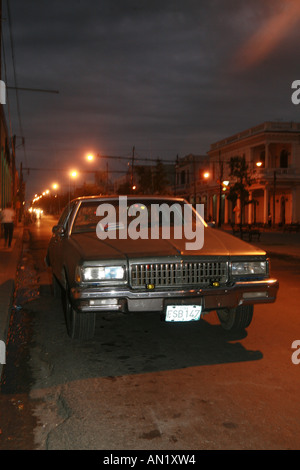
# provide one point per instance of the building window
(284, 159)
(262, 158)
(182, 177)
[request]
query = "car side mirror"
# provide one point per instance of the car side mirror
(58, 230)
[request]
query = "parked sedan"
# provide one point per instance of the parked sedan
(136, 254)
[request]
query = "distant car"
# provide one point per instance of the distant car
(128, 274)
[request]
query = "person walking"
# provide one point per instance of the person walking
(7, 219)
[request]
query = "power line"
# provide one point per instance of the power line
(64, 170)
(15, 75)
(5, 73)
(32, 89)
(151, 160)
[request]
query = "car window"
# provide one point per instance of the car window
(158, 212)
(65, 214)
(86, 218)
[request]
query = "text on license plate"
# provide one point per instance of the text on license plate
(183, 313)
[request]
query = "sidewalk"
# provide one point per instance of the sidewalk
(9, 260)
(278, 243)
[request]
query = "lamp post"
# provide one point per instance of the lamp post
(72, 175)
(220, 190)
(55, 186)
(90, 157)
(274, 193)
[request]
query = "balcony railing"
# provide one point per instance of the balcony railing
(265, 127)
(281, 173)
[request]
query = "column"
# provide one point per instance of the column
(295, 210)
(266, 155)
(250, 209)
(266, 201)
(226, 211)
(237, 212)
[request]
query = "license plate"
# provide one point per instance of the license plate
(183, 313)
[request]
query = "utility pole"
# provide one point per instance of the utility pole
(0, 39)
(274, 196)
(106, 177)
(176, 168)
(220, 190)
(1, 110)
(132, 165)
(194, 173)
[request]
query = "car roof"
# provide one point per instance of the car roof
(129, 197)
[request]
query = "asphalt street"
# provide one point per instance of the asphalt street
(143, 385)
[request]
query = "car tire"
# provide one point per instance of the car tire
(56, 287)
(79, 325)
(236, 319)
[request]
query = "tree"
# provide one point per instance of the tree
(124, 188)
(88, 190)
(144, 174)
(238, 190)
(152, 179)
(160, 183)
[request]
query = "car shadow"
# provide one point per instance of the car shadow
(122, 345)
(145, 344)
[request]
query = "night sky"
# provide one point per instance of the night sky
(167, 77)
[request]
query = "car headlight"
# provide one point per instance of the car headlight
(101, 273)
(248, 268)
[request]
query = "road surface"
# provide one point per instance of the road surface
(143, 384)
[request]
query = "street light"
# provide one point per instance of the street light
(225, 185)
(72, 175)
(90, 157)
(55, 186)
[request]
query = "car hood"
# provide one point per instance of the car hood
(216, 243)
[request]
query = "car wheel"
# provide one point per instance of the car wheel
(79, 325)
(235, 319)
(56, 287)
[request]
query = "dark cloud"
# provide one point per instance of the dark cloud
(165, 76)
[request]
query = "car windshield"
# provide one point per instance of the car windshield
(113, 215)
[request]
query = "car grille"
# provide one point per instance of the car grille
(179, 274)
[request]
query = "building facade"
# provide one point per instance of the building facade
(191, 178)
(8, 173)
(272, 154)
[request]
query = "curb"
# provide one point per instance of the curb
(7, 291)
(282, 256)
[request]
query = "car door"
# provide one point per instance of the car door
(58, 240)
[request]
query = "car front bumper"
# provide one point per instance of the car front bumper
(124, 299)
